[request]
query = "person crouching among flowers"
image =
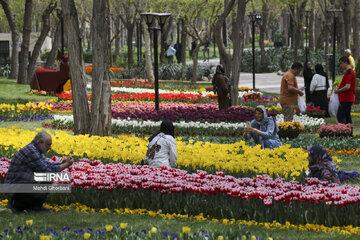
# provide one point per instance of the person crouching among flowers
(321, 165)
(263, 129)
(162, 147)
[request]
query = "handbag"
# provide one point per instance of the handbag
(150, 154)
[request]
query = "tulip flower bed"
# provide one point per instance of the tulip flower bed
(221, 196)
(178, 97)
(232, 114)
(28, 110)
(237, 159)
(133, 83)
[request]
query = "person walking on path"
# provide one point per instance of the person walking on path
(289, 91)
(351, 59)
(308, 74)
(221, 84)
(346, 92)
(319, 87)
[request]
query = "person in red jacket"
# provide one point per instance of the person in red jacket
(346, 91)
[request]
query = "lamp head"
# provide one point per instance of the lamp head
(148, 18)
(162, 17)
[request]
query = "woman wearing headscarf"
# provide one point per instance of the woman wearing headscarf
(319, 87)
(321, 165)
(222, 85)
(308, 74)
(162, 147)
(263, 129)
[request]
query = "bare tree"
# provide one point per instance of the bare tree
(263, 27)
(77, 68)
(14, 38)
(296, 12)
(356, 33)
(101, 91)
(39, 42)
(148, 59)
(24, 54)
(55, 46)
(232, 66)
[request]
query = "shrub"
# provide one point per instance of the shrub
(289, 129)
(335, 130)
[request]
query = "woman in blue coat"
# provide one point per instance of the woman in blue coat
(263, 129)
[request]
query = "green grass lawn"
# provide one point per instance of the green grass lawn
(14, 93)
(97, 221)
(11, 92)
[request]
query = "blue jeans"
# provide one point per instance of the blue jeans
(343, 114)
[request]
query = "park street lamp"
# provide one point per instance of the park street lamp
(151, 19)
(334, 12)
(307, 14)
(254, 18)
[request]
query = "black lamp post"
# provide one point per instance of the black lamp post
(307, 14)
(58, 11)
(150, 19)
(334, 11)
(254, 17)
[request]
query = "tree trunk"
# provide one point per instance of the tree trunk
(347, 23)
(39, 42)
(130, 31)
(77, 68)
(101, 91)
(164, 36)
(238, 38)
(117, 37)
(311, 26)
(148, 58)
(14, 38)
(24, 54)
(224, 55)
(183, 43)
(55, 46)
(194, 57)
(263, 26)
(356, 36)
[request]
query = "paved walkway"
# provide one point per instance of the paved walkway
(267, 82)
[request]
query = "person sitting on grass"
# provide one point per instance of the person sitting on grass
(263, 129)
(25, 162)
(321, 165)
(162, 147)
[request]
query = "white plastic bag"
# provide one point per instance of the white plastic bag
(302, 104)
(334, 104)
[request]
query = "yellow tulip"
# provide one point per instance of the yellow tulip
(29, 223)
(153, 230)
(123, 225)
(186, 230)
(253, 237)
(43, 237)
(243, 237)
(109, 227)
(87, 235)
(220, 237)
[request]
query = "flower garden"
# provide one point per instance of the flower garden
(223, 187)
